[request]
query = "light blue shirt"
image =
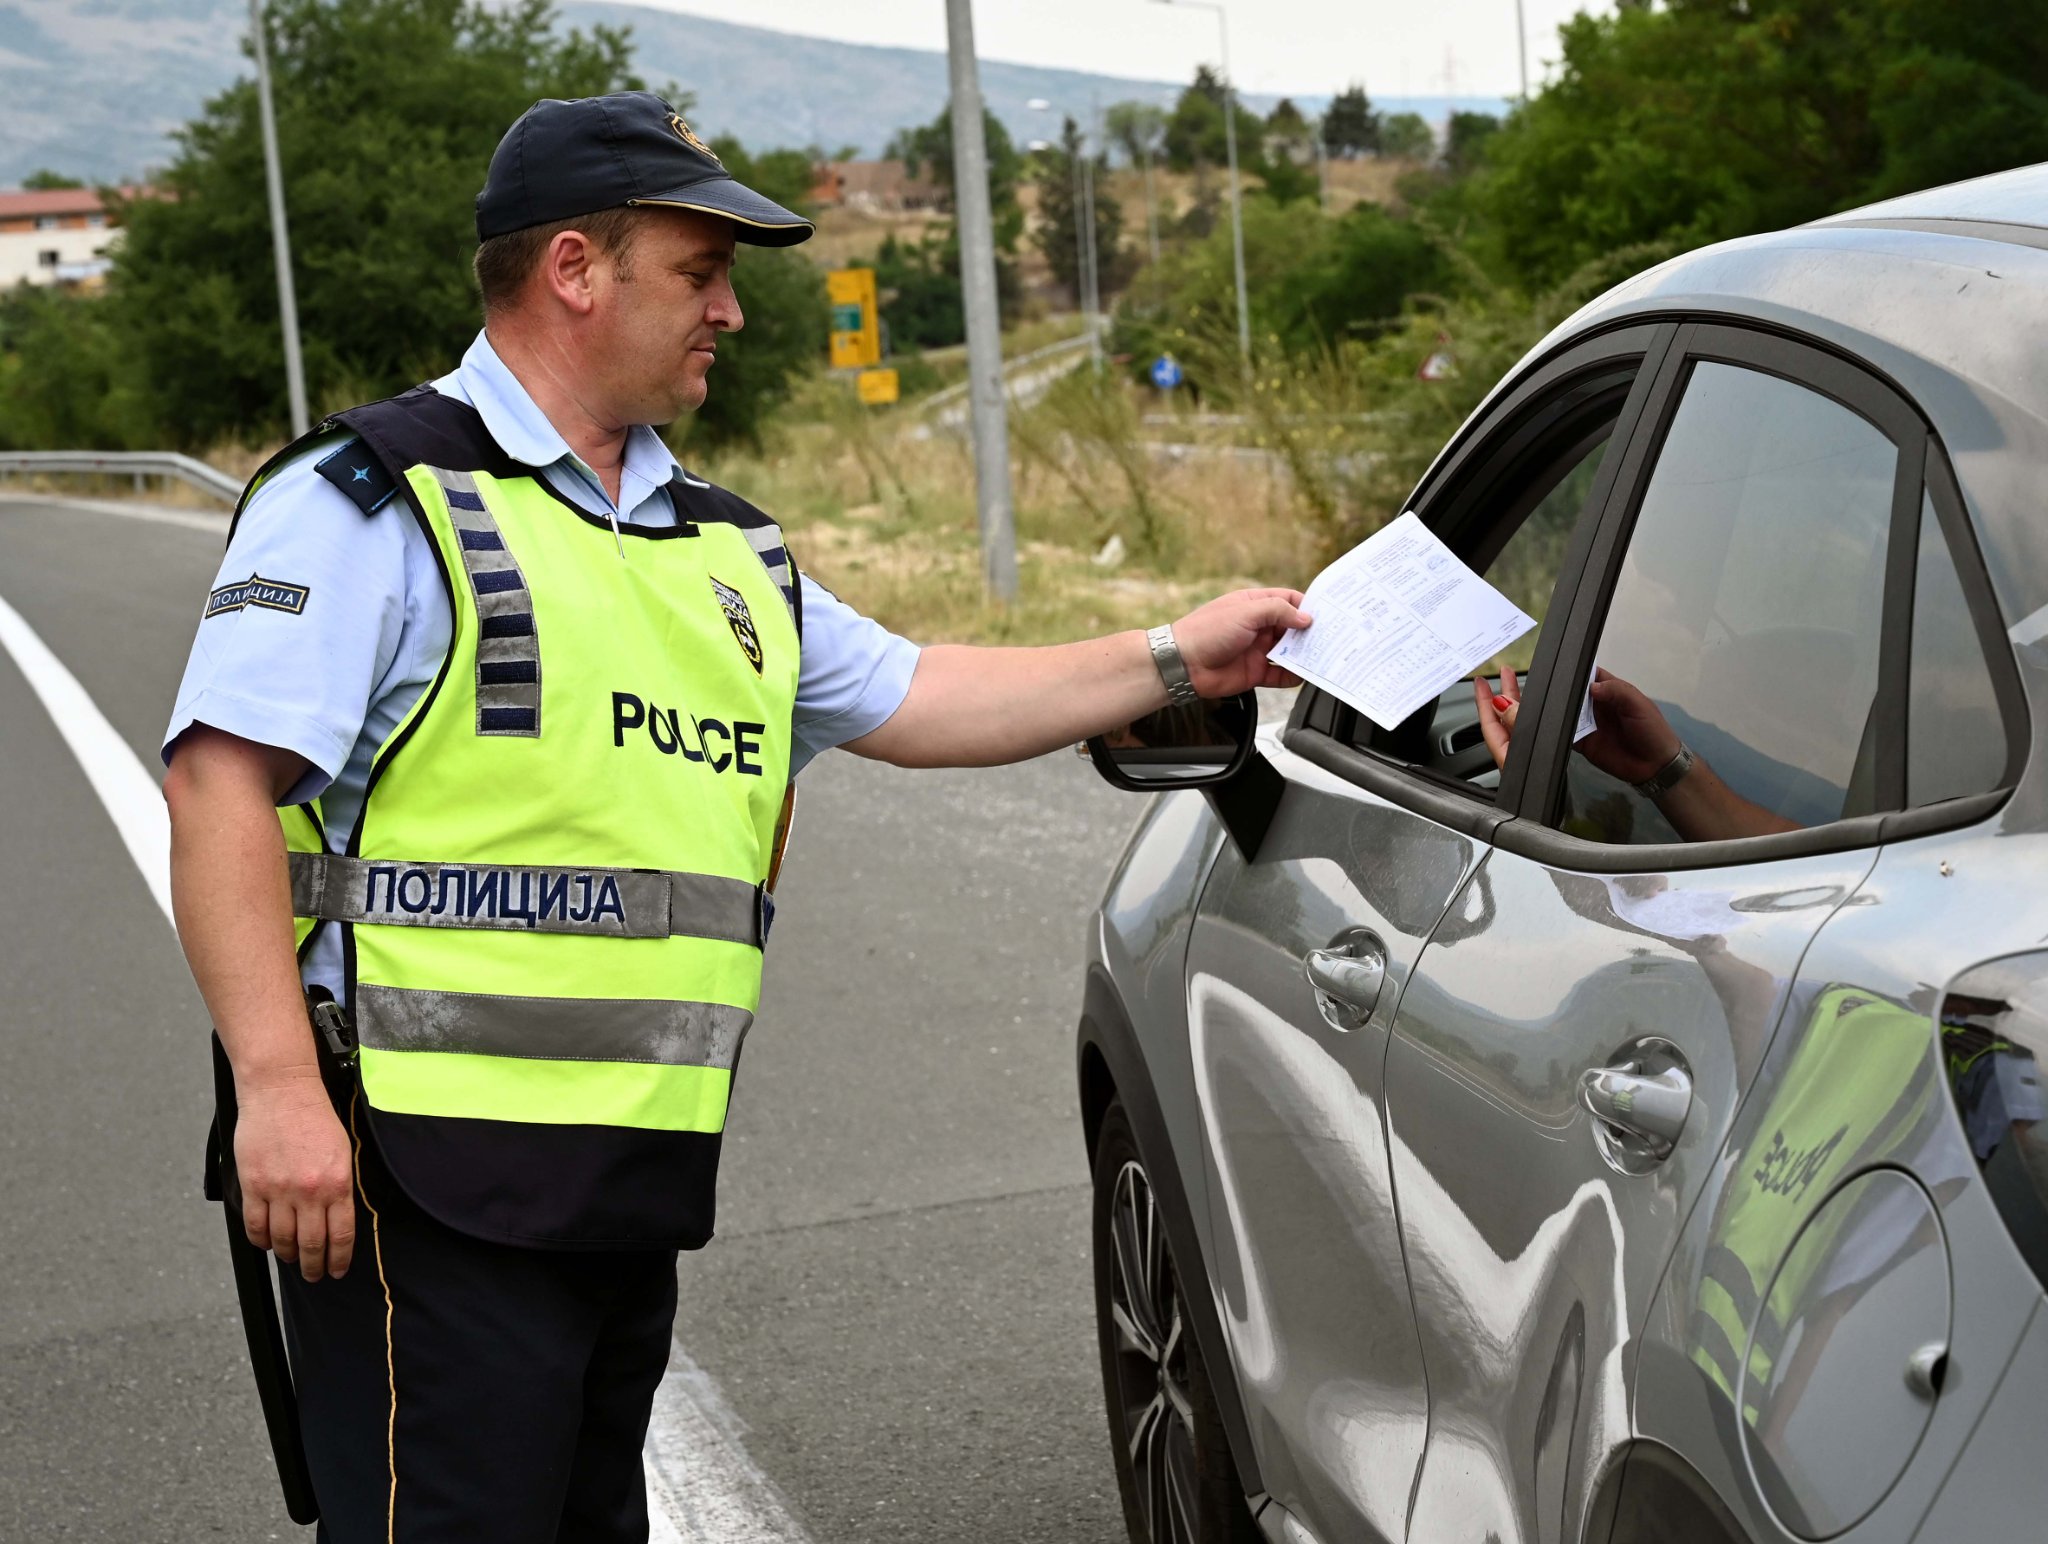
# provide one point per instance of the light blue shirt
(332, 680)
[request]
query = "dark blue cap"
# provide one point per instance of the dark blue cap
(564, 159)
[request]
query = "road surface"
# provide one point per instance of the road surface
(893, 1327)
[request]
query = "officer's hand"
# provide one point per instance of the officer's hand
(294, 1162)
(1225, 643)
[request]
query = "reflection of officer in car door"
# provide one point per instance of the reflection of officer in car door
(491, 716)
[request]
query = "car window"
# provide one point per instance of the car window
(1541, 496)
(1955, 738)
(1526, 569)
(1744, 623)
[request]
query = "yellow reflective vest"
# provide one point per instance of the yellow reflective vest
(553, 903)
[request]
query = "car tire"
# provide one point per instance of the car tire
(1173, 1464)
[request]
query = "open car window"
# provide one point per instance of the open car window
(1516, 538)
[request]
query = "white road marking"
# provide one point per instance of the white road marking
(130, 794)
(702, 1488)
(700, 1482)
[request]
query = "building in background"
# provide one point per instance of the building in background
(872, 187)
(56, 236)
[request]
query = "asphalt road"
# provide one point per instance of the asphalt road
(897, 1305)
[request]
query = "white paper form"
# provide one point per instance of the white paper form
(1398, 618)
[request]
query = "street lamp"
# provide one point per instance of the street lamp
(1087, 287)
(1244, 314)
(280, 237)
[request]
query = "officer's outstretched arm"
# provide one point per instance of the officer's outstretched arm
(232, 898)
(975, 707)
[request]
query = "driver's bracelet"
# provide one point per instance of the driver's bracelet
(1667, 777)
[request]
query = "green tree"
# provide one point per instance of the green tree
(65, 380)
(1287, 131)
(1350, 126)
(1702, 120)
(1138, 129)
(45, 181)
(1057, 235)
(1406, 136)
(388, 111)
(927, 151)
(1465, 138)
(1194, 130)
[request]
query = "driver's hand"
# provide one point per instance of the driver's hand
(1497, 712)
(1632, 742)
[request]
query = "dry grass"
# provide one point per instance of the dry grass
(886, 519)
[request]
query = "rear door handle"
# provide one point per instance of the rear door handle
(1347, 977)
(1640, 1103)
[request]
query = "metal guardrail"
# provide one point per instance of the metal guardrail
(1012, 368)
(135, 463)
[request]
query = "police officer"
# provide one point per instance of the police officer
(485, 735)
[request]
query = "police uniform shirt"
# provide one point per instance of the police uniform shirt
(360, 623)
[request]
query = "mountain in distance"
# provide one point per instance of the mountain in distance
(96, 88)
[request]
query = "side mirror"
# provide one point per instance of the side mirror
(1197, 746)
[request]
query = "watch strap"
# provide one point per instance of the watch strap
(1667, 776)
(1173, 670)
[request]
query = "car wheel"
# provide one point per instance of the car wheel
(1173, 1462)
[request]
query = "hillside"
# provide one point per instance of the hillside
(96, 88)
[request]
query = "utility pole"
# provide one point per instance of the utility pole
(1244, 313)
(1087, 213)
(987, 408)
(1322, 167)
(280, 237)
(1522, 47)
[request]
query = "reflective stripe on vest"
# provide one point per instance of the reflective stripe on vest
(617, 903)
(583, 946)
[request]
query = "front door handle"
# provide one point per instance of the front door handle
(1640, 1103)
(1347, 977)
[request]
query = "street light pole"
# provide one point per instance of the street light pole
(988, 412)
(1087, 213)
(1081, 174)
(1244, 314)
(1522, 47)
(280, 237)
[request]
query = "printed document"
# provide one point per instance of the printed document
(1398, 619)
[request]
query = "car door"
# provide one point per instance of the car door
(1566, 1066)
(1297, 961)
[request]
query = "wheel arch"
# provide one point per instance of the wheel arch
(1110, 1065)
(1649, 1494)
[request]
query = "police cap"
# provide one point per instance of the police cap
(564, 159)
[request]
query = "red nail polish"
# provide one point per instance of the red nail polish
(1501, 704)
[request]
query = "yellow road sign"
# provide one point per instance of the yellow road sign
(856, 320)
(877, 387)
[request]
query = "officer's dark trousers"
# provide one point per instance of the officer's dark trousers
(453, 1390)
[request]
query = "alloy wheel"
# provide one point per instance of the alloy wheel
(1154, 1403)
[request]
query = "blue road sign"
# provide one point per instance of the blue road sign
(1166, 372)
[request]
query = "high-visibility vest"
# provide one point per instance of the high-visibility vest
(552, 905)
(1862, 1068)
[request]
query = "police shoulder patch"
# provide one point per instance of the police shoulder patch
(358, 474)
(270, 594)
(741, 620)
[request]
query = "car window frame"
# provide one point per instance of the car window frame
(1492, 444)
(1566, 653)
(1973, 573)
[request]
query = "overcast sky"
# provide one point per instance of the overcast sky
(1276, 45)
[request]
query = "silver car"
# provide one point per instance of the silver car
(1577, 1146)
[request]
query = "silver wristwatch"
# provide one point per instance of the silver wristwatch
(1667, 776)
(1173, 670)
